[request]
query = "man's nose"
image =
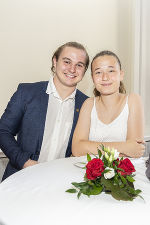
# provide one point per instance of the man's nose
(72, 68)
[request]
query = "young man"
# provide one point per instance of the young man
(43, 115)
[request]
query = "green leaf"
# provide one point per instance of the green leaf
(120, 169)
(116, 181)
(130, 179)
(88, 157)
(71, 190)
(116, 164)
(124, 181)
(102, 147)
(78, 185)
(131, 190)
(107, 183)
(138, 191)
(90, 182)
(85, 190)
(121, 194)
(115, 167)
(96, 190)
(141, 197)
(99, 153)
(106, 170)
(105, 161)
(116, 191)
(79, 194)
(121, 186)
(98, 181)
(130, 184)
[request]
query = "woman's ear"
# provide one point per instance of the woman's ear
(121, 75)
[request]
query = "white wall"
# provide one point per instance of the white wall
(141, 69)
(31, 30)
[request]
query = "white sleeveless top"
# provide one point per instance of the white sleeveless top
(116, 131)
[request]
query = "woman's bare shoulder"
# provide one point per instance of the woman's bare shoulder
(89, 101)
(88, 104)
(133, 97)
(134, 100)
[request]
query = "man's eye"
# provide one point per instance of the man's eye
(98, 72)
(111, 71)
(66, 62)
(80, 65)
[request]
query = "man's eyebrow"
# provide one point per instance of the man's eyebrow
(81, 63)
(71, 60)
(97, 68)
(66, 58)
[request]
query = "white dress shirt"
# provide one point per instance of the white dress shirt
(59, 119)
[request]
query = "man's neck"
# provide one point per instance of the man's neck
(63, 90)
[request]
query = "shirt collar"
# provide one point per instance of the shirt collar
(51, 89)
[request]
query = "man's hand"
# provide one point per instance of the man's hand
(30, 163)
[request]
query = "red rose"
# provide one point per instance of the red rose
(95, 167)
(127, 166)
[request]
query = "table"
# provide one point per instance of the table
(36, 196)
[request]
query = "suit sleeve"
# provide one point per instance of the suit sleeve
(9, 125)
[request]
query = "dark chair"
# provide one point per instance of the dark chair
(148, 168)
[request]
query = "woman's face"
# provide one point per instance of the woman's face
(106, 74)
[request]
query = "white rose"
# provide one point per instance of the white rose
(110, 173)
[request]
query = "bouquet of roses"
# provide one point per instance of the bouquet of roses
(107, 173)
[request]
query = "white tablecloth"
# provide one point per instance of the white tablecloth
(36, 196)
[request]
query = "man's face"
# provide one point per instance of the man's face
(70, 67)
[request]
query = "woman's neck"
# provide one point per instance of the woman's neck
(109, 101)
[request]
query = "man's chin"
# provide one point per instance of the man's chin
(71, 83)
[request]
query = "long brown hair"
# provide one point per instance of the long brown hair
(109, 53)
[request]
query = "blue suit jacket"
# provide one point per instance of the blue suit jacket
(24, 118)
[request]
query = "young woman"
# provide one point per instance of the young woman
(111, 118)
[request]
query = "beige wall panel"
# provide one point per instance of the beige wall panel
(31, 30)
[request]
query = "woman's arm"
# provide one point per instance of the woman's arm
(135, 130)
(81, 144)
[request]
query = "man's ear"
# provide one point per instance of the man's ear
(121, 75)
(54, 62)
